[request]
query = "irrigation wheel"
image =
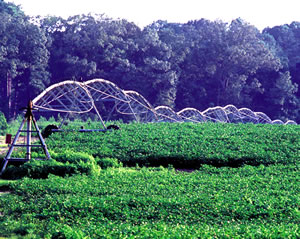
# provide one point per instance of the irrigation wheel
(48, 130)
(113, 126)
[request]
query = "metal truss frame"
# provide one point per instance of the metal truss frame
(80, 97)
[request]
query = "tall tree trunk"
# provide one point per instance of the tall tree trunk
(8, 93)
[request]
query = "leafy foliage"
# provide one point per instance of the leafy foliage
(70, 197)
(3, 123)
(108, 163)
(61, 164)
(23, 59)
(210, 202)
(187, 145)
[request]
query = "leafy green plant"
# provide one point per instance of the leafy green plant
(42, 169)
(245, 202)
(3, 123)
(255, 196)
(72, 157)
(108, 162)
(188, 145)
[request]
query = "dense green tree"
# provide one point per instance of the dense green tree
(175, 50)
(203, 44)
(287, 38)
(223, 62)
(3, 123)
(160, 74)
(23, 57)
(69, 48)
(90, 46)
(198, 64)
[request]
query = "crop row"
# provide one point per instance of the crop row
(245, 202)
(187, 145)
(100, 201)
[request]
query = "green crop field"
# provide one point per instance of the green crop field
(188, 145)
(158, 181)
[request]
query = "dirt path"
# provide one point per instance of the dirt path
(21, 140)
(4, 192)
(3, 149)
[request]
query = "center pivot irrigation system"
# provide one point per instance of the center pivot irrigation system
(82, 97)
(72, 97)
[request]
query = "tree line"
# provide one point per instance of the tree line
(196, 64)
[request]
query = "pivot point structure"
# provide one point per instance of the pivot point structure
(30, 125)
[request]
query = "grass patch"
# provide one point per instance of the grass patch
(5, 182)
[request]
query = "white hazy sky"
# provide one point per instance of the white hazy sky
(261, 13)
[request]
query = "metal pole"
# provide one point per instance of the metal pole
(41, 138)
(29, 116)
(110, 113)
(98, 114)
(93, 104)
(7, 157)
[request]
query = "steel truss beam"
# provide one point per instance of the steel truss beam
(80, 97)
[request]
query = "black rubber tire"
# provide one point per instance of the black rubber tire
(48, 130)
(113, 126)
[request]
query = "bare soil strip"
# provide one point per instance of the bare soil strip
(21, 140)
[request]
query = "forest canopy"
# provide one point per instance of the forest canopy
(196, 64)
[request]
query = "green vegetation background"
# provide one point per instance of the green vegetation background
(197, 64)
(246, 184)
